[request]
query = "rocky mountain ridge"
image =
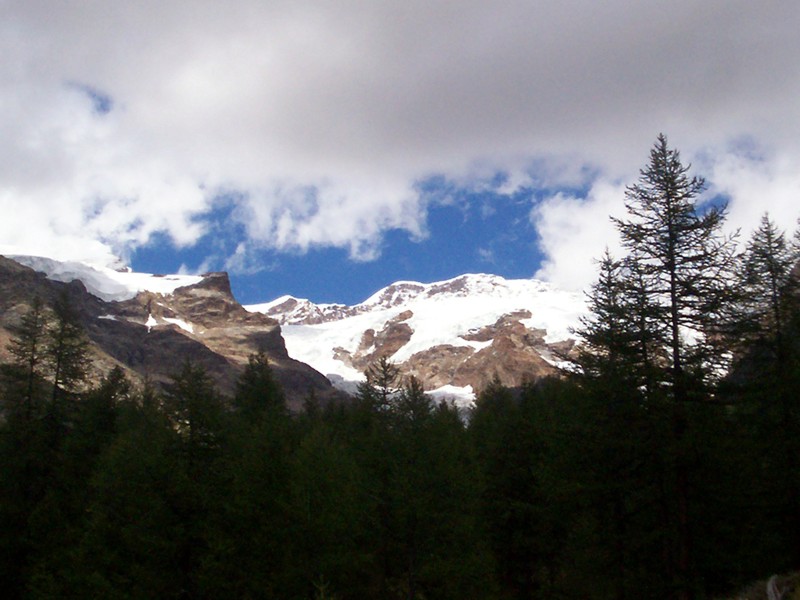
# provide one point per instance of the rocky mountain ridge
(453, 335)
(157, 323)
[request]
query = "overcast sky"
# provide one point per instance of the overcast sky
(373, 141)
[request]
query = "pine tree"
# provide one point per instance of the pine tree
(381, 385)
(27, 349)
(256, 390)
(769, 367)
(769, 287)
(683, 266)
(67, 349)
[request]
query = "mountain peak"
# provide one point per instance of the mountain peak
(458, 332)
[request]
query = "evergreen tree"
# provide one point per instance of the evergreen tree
(249, 530)
(618, 425)
(27, 349)
(67, 349)
(195, 411)
(193, 406)
(617, 338)
(381, 385)
(686, 265)
(328, 524)
(768, 371)
(256, 390)
(413, 407)
(513, 502)
(138, 522)
(769, 289)
(683, 266)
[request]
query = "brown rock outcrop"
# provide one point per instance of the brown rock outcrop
(152, 334)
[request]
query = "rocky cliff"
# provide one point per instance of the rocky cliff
(153, 327)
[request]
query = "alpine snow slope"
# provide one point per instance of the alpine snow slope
(454, 335)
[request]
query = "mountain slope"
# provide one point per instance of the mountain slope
(458, 333)
(150, 325)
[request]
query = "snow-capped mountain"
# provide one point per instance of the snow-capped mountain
(454, 335)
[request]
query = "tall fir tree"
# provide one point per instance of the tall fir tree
(769, 288)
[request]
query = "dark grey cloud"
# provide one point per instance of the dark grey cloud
(123, 119)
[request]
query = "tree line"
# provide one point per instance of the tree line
(662, 464)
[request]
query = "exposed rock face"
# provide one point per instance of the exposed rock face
(460, 332)
(515, 354)
(394, 335)
(152, 334)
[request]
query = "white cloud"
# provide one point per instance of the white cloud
(574, 233)
(323, 116)
(759, 184)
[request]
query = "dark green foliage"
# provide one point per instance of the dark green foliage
(28, 351)
(381, 385)
(140, 517)
(194, 409)
(67, 349)
(525, 504)
(257, 391)
(679, 293)
(766, 380)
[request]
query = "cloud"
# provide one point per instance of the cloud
(758, 184)
(575, 231)
(123, 121)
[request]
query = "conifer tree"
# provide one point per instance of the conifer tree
(27, 349)
(616, 360)
(381, 384)
(413, 407)
(769, 367)
(769, 287)
(685, 262)
(682, 266)
(257, 390)
(192, 404)
(67, 349)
